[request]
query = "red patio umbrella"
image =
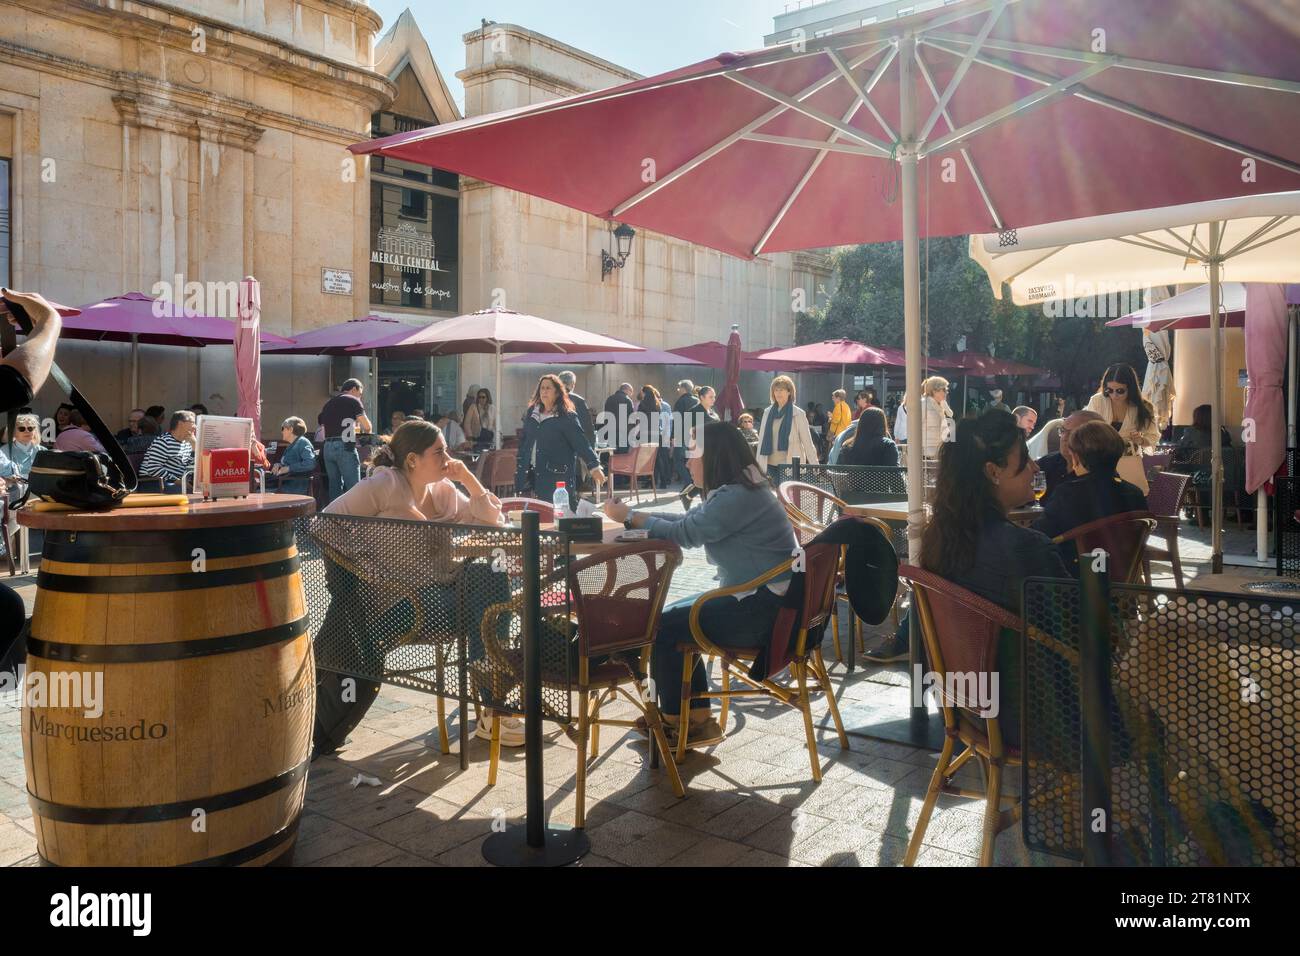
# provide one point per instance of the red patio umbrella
(841, 352)
(494, 331)
(714, 355)
(342, 337)
(248, 353)
(1024, 112)
(143, 319)
(730, 402)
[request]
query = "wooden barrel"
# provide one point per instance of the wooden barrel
(176, 724)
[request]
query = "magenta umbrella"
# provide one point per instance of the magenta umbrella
(142, 319)
(730, 402)
(714, 355)
(495, 331)
(342, 337)
(841, 352)
(1266, 347)
(644, 357)
(248, 353)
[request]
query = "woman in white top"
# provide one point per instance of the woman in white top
(1119, 401)
(414, 478)
(784, 433)
(936, 416)
(481, 419)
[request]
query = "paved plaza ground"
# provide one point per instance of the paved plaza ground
(750, 800)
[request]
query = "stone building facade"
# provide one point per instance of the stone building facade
(151, 142)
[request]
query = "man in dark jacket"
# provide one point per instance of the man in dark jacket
(570, 381)
(1093, 492)
(580, 408)
(618, 422)
(684, 412)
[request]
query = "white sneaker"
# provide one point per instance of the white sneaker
(512, 729)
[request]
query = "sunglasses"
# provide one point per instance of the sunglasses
(1117, 390)
(24, 428)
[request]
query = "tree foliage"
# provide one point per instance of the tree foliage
(957, 300)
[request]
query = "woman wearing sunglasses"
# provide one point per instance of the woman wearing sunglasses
(16, 456)
(1119, 401)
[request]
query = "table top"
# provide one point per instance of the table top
(224, 512)
(897, 511)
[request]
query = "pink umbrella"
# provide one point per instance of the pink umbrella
(714, 355)
(730, 402)
(340, 338)
(136, 317)
(142, 319)
(494, 331)
(248, 353)
(841, 352)
(644, 357)
(1266, 347)
(974, 363)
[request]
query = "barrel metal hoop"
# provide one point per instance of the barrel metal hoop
(160, 812)
(147, 547)
(156, 583)
(236, 857)
(154, 653)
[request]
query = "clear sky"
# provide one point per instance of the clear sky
(647, 36)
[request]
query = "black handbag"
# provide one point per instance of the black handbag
(86, 480)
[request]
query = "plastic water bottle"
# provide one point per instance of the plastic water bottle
(560, 500)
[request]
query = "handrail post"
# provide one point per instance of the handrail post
(539, 845)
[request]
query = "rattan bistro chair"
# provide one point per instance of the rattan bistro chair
(634, 465)
(1123, 538)
(961, 631)
(789, 648)
(1164, 501)
(617, 598)
(812, 510)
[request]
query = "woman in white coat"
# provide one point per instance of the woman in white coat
(1119, 401)
(936, 416)
(784, 433)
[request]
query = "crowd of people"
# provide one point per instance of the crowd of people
(985, 469)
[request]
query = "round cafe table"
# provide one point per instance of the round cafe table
(181, 634)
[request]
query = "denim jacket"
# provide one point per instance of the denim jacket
(300, 457)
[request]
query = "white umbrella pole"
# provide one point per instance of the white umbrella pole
(1216, 407)
(496, 435)
(911, 300)
(882, 393)
(965, 394)
(841, 375)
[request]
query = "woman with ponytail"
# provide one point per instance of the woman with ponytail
(413, 478)
(970, 541)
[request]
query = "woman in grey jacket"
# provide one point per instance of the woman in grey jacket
(552, 444)
(744, 532)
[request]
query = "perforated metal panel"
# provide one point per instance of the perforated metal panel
(434, 607)
(1204, 714)
(1288, 528)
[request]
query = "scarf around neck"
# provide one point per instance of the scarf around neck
(782, 443)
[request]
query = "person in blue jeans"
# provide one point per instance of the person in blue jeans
(298, 462)
(744, 532)
(342, 417)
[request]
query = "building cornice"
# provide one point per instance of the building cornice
(156, 112)
(623, 74)
(229, 43)
(140, 88)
